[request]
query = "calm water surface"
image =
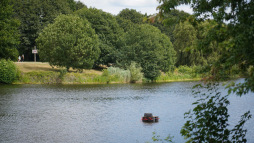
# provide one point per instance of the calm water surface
(101, 113)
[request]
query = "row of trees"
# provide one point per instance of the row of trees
(154, 42)
(90, 37)
(31, 17)
(131, 36)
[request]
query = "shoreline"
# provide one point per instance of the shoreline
(43, 73)
(100, 83)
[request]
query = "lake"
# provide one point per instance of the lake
(108, 113)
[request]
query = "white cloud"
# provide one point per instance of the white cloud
(135, 3)
(185, 8)
(115, 6)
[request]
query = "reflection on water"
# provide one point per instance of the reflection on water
(100, 113)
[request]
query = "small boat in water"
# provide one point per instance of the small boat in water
(148, 117)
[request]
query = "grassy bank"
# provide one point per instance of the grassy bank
(43, 73)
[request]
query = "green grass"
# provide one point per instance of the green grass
(43, 73)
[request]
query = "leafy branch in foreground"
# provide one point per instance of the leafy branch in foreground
(208, 121)
(157, 138)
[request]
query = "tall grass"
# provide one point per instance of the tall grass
(39, 77)
(182, 73)
(118, 75)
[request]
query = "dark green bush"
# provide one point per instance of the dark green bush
(8, 71)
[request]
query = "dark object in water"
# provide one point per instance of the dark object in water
(148, 117)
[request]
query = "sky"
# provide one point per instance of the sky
(115, 6)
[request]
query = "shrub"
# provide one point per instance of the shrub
(8, 71)
(120, 74)
(62, 74)
(116, 74)
(185, 70)
(135, 71)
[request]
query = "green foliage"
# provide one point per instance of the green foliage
(157, 138)
(9, 35)
(166, 22)
(108, 30)
(235, 42)
(35, 15)
(69, 42)
(62, 72)
(208, 121)
(185, 37)
(132, 15)
(184, 73)
(185, 69)
(125, 24)
(8, 71)
(40, 77)
(148, 47)
(243, 88)
(135, 71)
(117, 74)
(235, 38)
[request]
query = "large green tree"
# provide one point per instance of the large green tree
(212, 51)
(147, 46)
(69, 42)
(167, 22)
(185, 38)
(125, 24)
(9, 34)
(132, 15)
(34, 15)
(108, 30)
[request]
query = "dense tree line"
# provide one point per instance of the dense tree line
(155, 42)
(35, 15)
(9, 34)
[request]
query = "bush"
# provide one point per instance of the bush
(136, 74)
(116, 75)
(62, 74)
(185, 70)
(8, 71)
(120, 74)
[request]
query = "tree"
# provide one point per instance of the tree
(108, 30)
(34, 15)
(132, 15)
(79, 5)
(167, 22)
(185, 38)
(125, 24)
(147, 46)
(235, 37)
(208, 47)
(69, 42)
(9, 35)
